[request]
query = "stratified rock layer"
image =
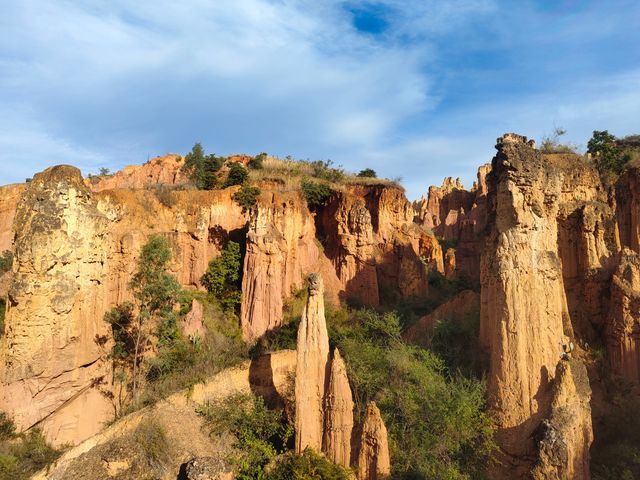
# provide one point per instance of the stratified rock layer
(374, 462)
(311, 370)
(338, 414)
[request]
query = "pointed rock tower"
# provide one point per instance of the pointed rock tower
(373, 460)
(311, 369)
(338, 414)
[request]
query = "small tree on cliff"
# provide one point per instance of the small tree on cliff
(223, 276)
(202, 168)
(155, 292)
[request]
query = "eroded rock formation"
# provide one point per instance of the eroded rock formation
(50, 362)
(311, 369)
(165, 170)
(373, 458)
(524, 315)
(338, 426)
(623, 322)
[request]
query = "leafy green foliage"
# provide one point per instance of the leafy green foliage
(202, 168)
(315, 193)
(155, 292)
(237, 175)
(22, 455)
(324, 170)
(609, 158)
(6, 261)
(223, 276)
(551, 143)
(437, 422)
(308, 466)
(104, 172)
(247, 197)
(256, 163)
(261, 434)
(367, 173)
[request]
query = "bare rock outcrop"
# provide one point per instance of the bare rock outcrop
(281, 249)
(623, 322)
(192, 324)
(51, 365)
(311, 370)
(165, 170)
(524, 317)
(374, 462)
(338, 426)
(9, 198)
(565, 437)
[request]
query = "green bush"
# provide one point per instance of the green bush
(367, 173)
(22, 455)
(315, 193)
(609, 158)
(551, 143)
(260, 434)
(247, 197)
(237, 175)
(308, 466)
(202, 168)
(6, 261)
(324, 170)
(437, 422)
(256, 163)
(3, 311)
(224, 275)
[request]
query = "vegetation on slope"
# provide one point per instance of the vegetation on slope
(21, 455)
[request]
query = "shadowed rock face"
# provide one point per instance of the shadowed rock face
(373, 458)
(338, 414)
(311, 369)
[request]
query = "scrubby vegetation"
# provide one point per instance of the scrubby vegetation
(260, 433)
(3, 310)
(257, 162)
(609, 156)
(315, 193)
(237, 175)
(309, 465)
(552, 144)
(367, 173)
(202, 168)
(6, 261)
(224, 275)
(22, 455)
(247, 197)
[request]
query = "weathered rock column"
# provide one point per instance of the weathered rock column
(338, 414)
(311, 369)
(373, 459)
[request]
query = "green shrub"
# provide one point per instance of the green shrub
(367, 173)
(237, 175)
(247, 197)
(609, 158)
(224, 275)
(551, 143)
(315, 193)
(202, 168)
(308, 466)
(22, 455)
(7, 428)
(437, 422)
(260, 434)
(3, 311)
(324, 170)
(256, 163)
(6, 261)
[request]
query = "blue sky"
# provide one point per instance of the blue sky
(416, 89)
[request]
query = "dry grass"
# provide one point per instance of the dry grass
(288, 174)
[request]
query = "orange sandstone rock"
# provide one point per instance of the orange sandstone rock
(338, 414)
(164, 170)
(311, 370)
(374, 462)
(192, 325)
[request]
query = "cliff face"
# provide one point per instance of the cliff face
(524, 315)
(157, 171)
(50, 363)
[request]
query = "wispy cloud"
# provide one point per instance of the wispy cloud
(108, 84)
